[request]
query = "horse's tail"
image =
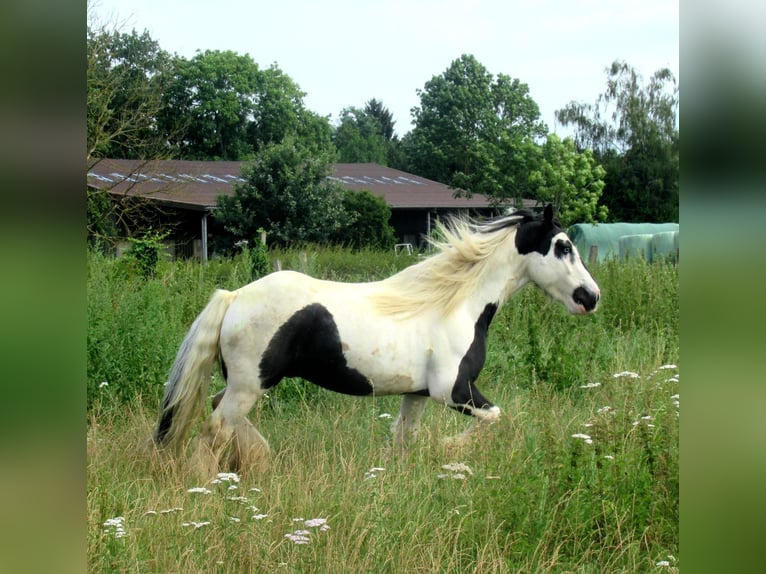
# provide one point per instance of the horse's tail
(189, 378)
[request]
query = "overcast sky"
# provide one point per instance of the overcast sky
(345, 52)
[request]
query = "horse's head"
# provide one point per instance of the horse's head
(554, 263)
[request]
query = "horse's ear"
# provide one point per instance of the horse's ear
(548, 214)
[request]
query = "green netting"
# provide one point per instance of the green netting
(606, 237)
(664, 245)
(636, 246)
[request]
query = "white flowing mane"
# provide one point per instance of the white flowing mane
(447, 278)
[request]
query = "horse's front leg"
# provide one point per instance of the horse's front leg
(467, 399)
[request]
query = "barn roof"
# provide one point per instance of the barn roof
(196, 184)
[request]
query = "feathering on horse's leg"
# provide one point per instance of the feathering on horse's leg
(249, 449)
(473, 403)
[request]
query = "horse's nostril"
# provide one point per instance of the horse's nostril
(585, 298)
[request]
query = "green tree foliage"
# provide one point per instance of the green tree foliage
(126, 77)
(475, 132)
(375, 109)
(633, 132)
(228, 108)
(368, 222)
(572, 181)
(287, 193)
(212, 97)
(358, 138)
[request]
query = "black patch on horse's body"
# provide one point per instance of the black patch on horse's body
(308, 345)
(464, 394)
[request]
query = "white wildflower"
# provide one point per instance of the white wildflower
(196, 524)
(226, 477)
(169, 510)
(608, 457)
(297, 538)
(384, 416)
(103, 384)
(238, 498)
(116, 525)
(457, 467)
(584, 437)
(372, 473)
(606, 410)
(254, 489)
(259, 516)
(629, 374)
(314, 522)
(150, 513)
(662, 563)
(590, 386)
(233, 519)
(200, 490)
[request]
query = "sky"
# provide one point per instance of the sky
(343, 53)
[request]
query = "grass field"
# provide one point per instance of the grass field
(579, 475)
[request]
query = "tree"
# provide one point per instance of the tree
(358, 138)
(474, 132)
(286, 193)
(230, 109)
(375, 109)
(212, 97)
(368, 222)
(572, 181)
(126, 77)
(633, 132)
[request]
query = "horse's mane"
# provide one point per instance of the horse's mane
(446, 278)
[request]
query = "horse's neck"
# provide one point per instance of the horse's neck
(503, 279)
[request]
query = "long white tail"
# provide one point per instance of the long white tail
(190, 376)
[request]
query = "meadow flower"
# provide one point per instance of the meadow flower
(254, 489)
(457, 467)
(590, 386)
(234, 519)
(259, 516)
(103, 384)
(117, 524)
(196, 524)
(297, 538)
(200, 490)
(584, 437)
(371, 473)
(314, 522)
(663, 367)
(606, 410)
(384, 416)
(169, 510)
(629, 374)
(608, 457)
(238, 498)
(663, 563)
(226, 477)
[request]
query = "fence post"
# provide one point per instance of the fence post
(592, 254)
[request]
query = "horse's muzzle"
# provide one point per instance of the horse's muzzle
(588, 299)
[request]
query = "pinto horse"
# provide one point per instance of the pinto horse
(420, 333)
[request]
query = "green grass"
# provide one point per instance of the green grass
(538, 499)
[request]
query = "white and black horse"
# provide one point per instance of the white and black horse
(420, 333)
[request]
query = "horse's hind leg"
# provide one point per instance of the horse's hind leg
(405, 427)
(249, 450)
(224, 425)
